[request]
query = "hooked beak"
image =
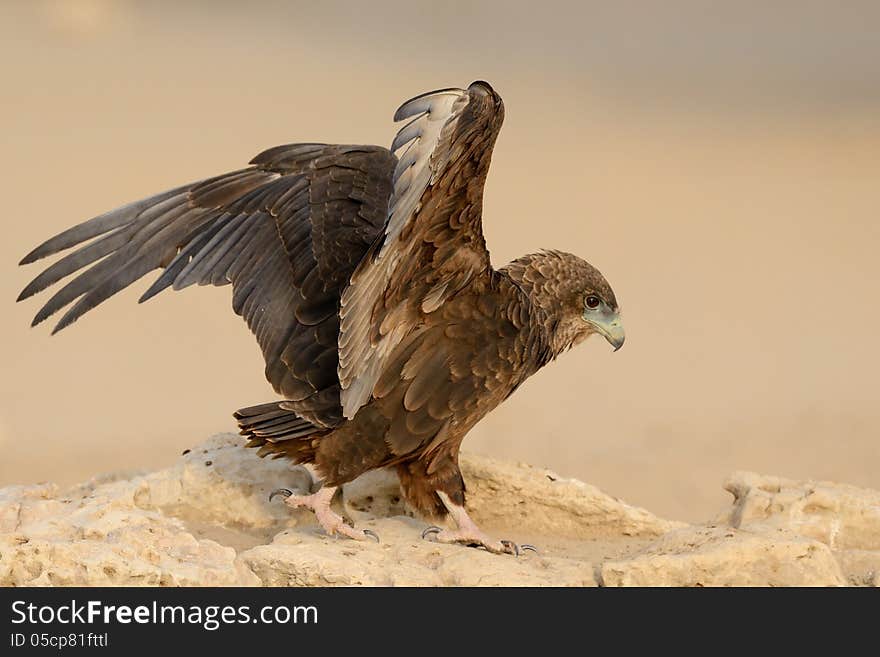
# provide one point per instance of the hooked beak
(611, 329)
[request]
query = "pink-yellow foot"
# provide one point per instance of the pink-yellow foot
(319, 503)
(475, 539)
(469, 534)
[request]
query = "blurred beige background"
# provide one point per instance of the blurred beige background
(719, 162)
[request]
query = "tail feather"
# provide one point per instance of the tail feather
(278, 431)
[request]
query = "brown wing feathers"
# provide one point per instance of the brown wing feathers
(286, 233)
(342, 261)
(433, 244)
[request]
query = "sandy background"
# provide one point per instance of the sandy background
(721, 165)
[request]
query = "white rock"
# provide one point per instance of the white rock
(206, 520)
(719, 556)
(841, 516)
(101, 539)
(402, 559)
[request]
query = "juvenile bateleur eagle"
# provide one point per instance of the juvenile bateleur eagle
(365, 277)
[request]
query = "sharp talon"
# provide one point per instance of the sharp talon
(527, 546)
(430, 530)
(372, 534)
(286, 492)
(510, 545)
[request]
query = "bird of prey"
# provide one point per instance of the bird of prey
(364, 275)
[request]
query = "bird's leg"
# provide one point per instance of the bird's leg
(468, 533)
(319, 502)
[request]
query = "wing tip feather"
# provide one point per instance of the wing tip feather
(26, 293)
(31, 257)
(43, 314)
(412, 106)
(69, 318)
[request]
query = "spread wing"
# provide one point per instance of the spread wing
(433, 242)
(286, 232)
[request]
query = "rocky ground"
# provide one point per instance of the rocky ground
(207, 520)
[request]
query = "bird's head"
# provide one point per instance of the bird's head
(600, 311)
(574, 296)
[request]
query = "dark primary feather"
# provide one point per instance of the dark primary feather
(286, 233)
(96, 226)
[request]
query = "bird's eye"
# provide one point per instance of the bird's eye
(592, 302)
